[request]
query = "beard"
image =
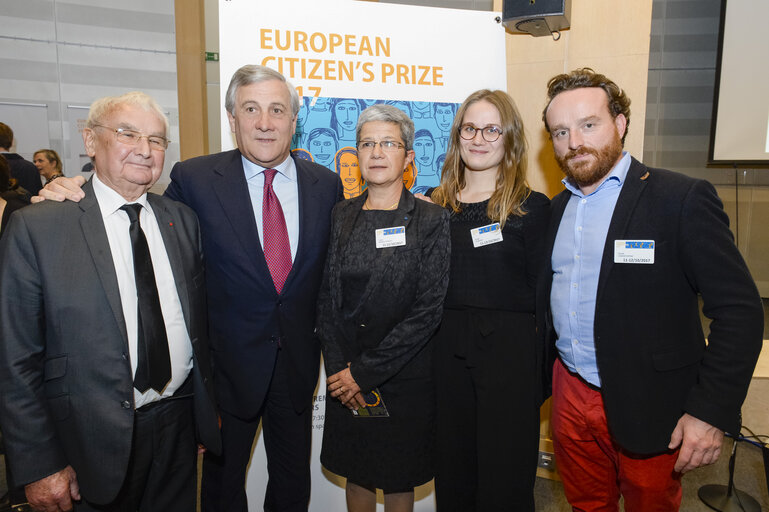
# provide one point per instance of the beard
(586, 173)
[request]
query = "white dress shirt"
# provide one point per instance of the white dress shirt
(116, 223)
(286, 188)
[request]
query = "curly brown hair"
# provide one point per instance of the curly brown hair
(619, 103)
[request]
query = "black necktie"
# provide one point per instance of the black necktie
(153, 369)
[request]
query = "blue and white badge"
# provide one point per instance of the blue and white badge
(634, 251)
(390, 237)
(486, 235)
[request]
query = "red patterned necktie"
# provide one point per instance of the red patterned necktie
(277, 249)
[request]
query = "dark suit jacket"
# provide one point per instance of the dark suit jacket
(402, 303)
(650, 348)
(247, 316)
(25, 173)
(14, 202)
(65, 377)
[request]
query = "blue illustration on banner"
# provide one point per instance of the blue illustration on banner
(325, 134)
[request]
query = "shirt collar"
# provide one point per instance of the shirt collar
(615, 178)
(110, 201)
(286, 168)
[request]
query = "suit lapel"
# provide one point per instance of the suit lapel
(231, 189)
(95, 235)
(347, 214)
(309, 217)
(635, 183)
(171, 243)
(558, 206)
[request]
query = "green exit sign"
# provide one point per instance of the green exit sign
(212, 56)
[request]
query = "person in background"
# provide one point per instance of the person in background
(10, 197)
(48, 164)
(380, 302)
(23, 171)
(322, 143)
(639, 397)
(348, 169)
(488, 359)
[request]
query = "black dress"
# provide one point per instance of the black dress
(394, 453)
(487, 365)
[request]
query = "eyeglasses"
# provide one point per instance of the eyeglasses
(133, 138)
(388, 146)
(489, 133)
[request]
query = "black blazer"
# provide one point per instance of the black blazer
(65, 377)
(402, 304)
(25, 173)
(247, 317)
(650, 348)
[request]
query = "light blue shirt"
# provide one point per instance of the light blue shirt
(576, 260)
(287, 190)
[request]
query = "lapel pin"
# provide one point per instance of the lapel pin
(171, 224)
(645, 175)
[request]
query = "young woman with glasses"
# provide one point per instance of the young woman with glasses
(487, 363)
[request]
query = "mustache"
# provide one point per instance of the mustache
(579, 152)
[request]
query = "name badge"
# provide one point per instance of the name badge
(486, 235)
(390, 237)
(634, 251)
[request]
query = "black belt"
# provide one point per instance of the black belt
(184, 391)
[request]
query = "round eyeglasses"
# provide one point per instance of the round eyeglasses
(132, 138)
(489, 133)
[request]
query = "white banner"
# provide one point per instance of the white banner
(343, 55)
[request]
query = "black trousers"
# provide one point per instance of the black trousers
(161, 474)
(487, 413)
(287, 442)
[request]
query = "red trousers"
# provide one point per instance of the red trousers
(593, 467)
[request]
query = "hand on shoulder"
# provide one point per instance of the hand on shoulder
(423, 197)
(62, 188)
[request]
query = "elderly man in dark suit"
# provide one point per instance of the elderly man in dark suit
(104, 366)
(265, 220)
(638, 396)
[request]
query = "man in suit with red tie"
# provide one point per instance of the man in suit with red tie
(265, 220)
(104, 360)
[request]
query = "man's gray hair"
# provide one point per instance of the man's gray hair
(388, 114)
(252, 74)
(108, 104)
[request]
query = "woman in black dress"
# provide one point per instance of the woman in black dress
(487, 366)
(379, 305)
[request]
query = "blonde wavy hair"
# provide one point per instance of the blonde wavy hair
(512, 189)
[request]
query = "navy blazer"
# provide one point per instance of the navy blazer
(650, 348)
(65, 375)
(248, 319)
